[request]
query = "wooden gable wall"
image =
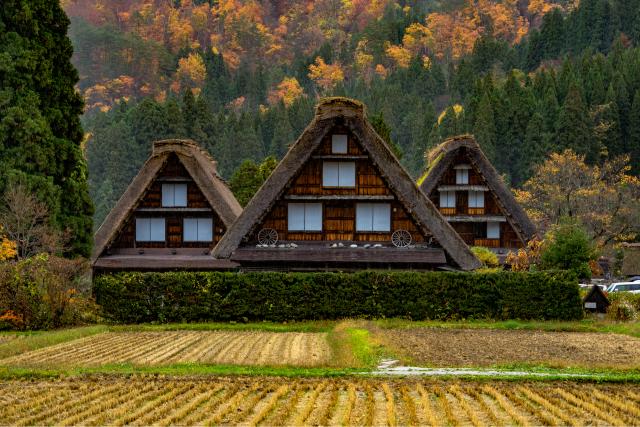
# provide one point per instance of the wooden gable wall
(339, 215)
(467, 230)
(172, 172)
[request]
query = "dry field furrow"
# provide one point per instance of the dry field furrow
(165, 401)
(121, 350)
(161, 348)
(448, 347)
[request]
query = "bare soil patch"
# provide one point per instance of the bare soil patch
(145, 400)
(161, 348)
(441, 347)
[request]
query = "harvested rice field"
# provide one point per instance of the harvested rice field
(115, 400)
(161, 348)
(443, 347)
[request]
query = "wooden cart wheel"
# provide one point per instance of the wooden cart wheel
(401, 238)
(267, 236)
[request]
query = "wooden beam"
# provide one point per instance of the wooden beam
(340, 156)
(174, 179)
(174, 210)
(463, 187)
(339, 197)
(475, 218)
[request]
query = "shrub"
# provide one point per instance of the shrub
(41, 292)
(486, 257)
(190, 296)
(568, 248)
(624, 306)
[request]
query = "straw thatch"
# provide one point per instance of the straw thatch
(440, 160)
(351, 114)
(201, 167)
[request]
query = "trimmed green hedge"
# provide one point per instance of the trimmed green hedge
(190, 296)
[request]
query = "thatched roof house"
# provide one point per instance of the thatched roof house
(472, 196)
(340, 199)
(171, 215)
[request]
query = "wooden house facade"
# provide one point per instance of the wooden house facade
(472, 197)
(340, 200)
(171, 216)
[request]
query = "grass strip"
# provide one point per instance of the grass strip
(186, 369)
(307, 326)
(586, 325)
(34, 340)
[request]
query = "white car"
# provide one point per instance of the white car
(633, 287)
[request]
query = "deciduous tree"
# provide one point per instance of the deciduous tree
(605, 199)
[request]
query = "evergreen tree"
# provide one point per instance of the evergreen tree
(552, 33)
(633, 145)
(535, 146)
(40, 132)
(484, 127)
(573, 127)
(382, 128)
(607, 126)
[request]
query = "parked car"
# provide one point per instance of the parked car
(634, 279)
(633, 287)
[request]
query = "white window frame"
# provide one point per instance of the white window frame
(145, 231)
(493, 230)
(311, 217)
(203, 231)
(462, 176)
(169, 193)
(373, 217)
(339, 144)
(476, 199)
(345, 171)
(447, 199)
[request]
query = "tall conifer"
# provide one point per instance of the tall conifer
(40, 132)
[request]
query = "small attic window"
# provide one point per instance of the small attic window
(462, 174)
(339, 144)
(174, 195)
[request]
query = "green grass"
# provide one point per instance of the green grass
(308, 326)
(33, 340)
(587, 325)
(183, 369)
(296, 372)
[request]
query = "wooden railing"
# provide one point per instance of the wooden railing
(448, 211)
(488, 243)
(475, 211)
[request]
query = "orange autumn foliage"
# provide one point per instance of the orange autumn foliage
(326, 76)
(287, 91)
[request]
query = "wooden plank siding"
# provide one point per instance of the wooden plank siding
(467, 230)
(173, 171)
(339, 215)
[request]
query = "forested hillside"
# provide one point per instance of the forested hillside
(527, 77)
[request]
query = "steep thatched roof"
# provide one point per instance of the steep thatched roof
(440, 160)
(351, 114)
(201, 167)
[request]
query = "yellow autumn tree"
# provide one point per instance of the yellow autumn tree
(605, 198)
(326, 76)
(8, 248)
(287, 91)
(418, 39)
(191, 73)
(398, 54)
